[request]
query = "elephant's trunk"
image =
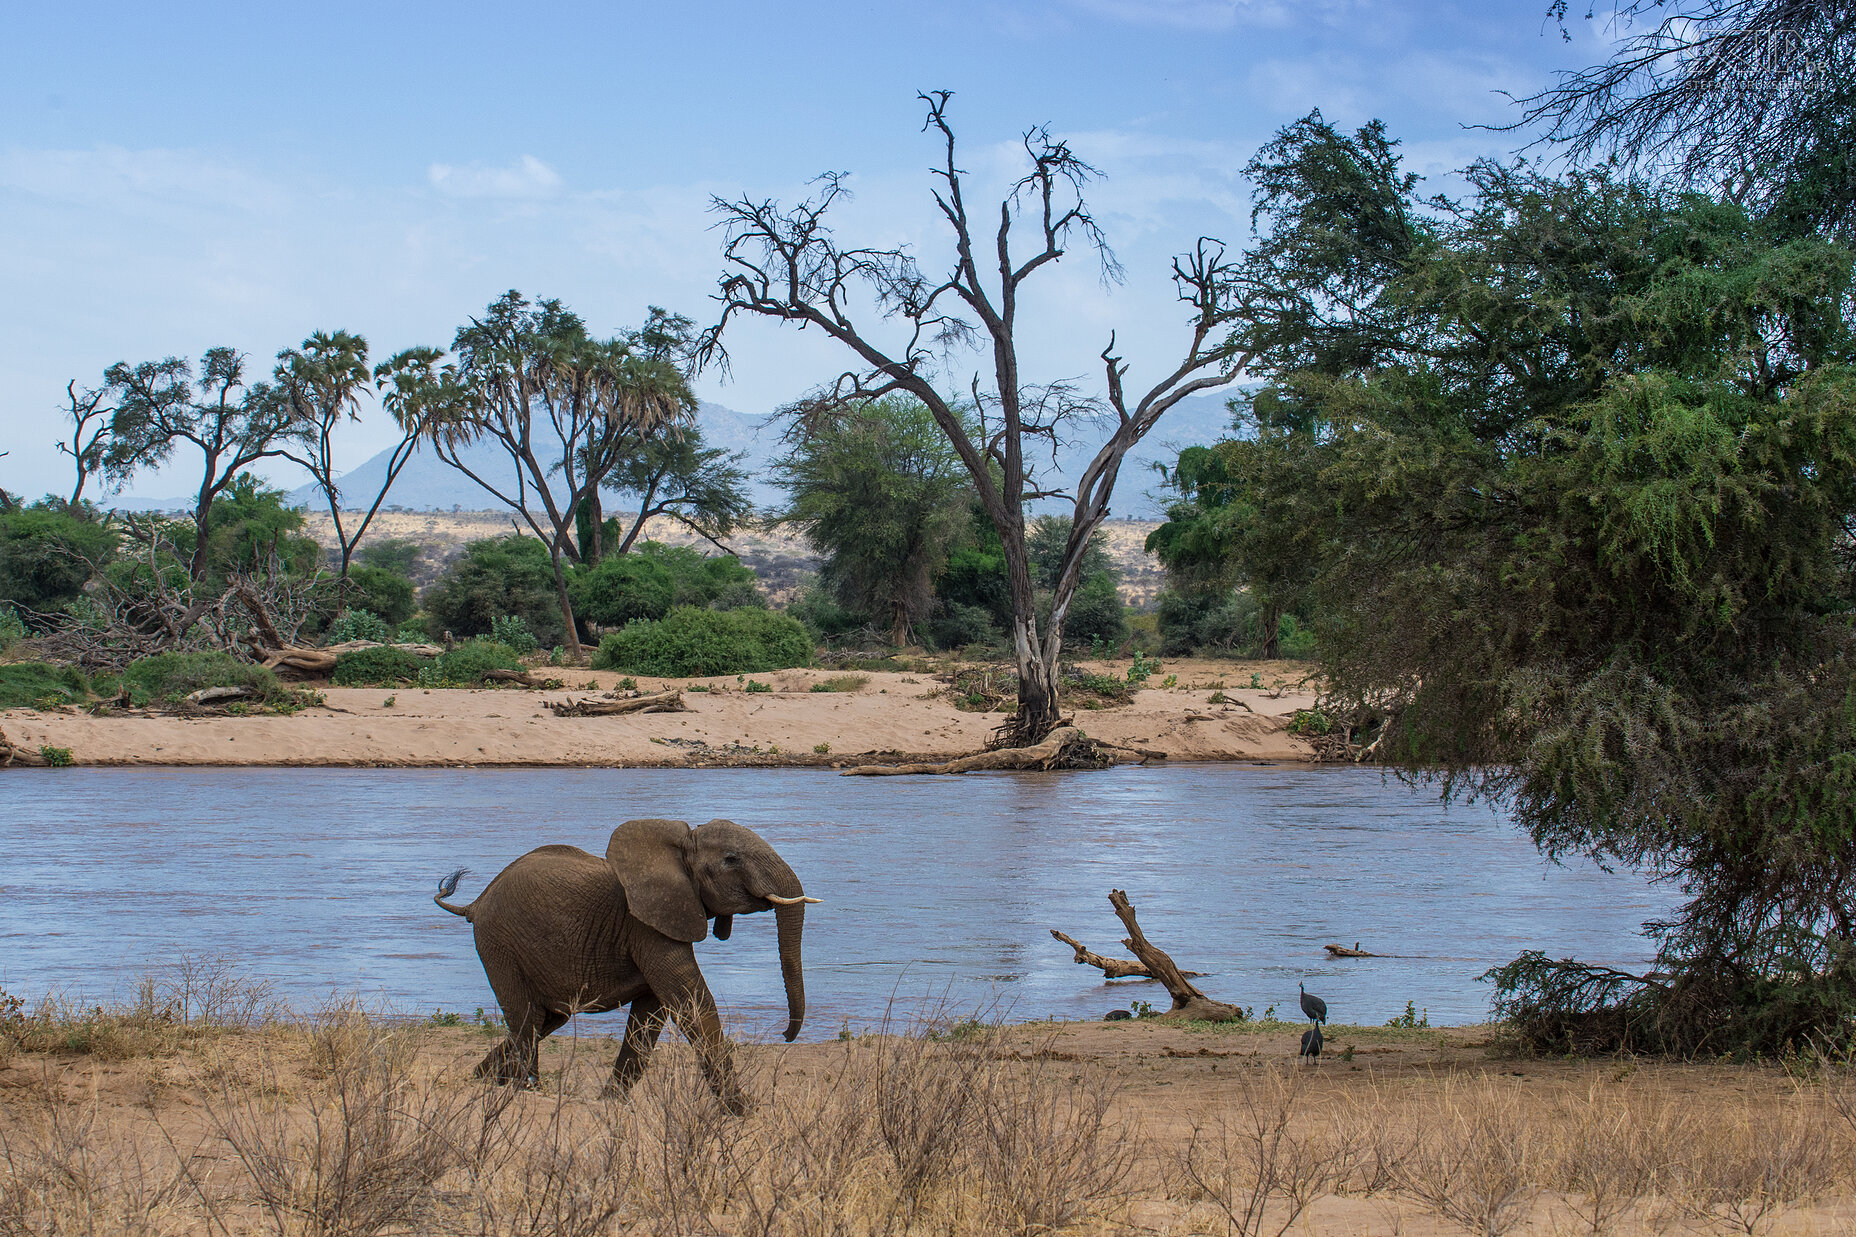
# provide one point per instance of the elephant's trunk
(792, 922)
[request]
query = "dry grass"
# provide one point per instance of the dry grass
(347, 1124)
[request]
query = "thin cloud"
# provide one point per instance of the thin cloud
(528, 178)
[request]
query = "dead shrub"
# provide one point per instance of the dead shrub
(63, 1174)
(1606, 1154)
(1741, 1167)
(363, 1151)
(1472, 1160)
(1255, 1158)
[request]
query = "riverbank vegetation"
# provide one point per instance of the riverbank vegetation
(204, 1105)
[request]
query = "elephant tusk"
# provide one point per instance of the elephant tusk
(777, 900)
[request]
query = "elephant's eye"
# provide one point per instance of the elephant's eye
(731, 860)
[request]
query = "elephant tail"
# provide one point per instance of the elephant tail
(449, 886)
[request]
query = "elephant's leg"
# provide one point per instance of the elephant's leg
(540, 1025)
(514, 1059)
(642, 1028)
(700, 1023)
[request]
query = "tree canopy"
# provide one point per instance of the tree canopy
(1569, 468)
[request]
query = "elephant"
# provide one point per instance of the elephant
(562, 932)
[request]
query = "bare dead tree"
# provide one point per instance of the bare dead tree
(90, 418)
(1746, 95)
(321, 381)
(786, 264)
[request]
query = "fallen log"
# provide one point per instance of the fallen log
(1341, 951)
(1189, 1004)
(10, 755)
(213, 695)
(663, 702)
(321, 661)
(523, 677)
(1064, 748)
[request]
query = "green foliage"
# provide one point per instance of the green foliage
(44, 553)
(355, 624)
(57, 757)
(12, 629)
(958, 626)
(1310, 722)
(841, 683)
(377, 667)
(250, 527)
(465, 665)
(884, 497)
(649, 581)
(1142, 668)
(1096, 612)
(824, 618)
(169, 677)
(1569, 480)
(679, 475)
(38, 685)
(755, 686)
(381, 591)
(1411, 1019)
(497, 576)
(691, 641)
(510, 629)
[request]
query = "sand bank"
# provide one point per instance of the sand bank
(891, 716)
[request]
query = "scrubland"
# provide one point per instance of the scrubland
(201, 1106)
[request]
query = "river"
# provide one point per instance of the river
(938, 891)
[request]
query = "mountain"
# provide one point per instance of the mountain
(429, 484)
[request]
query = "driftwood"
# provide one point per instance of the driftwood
(10, 755)
(1111, 968)
(213, 695)
(1064, 748)
(523, 677)
(663, 702)
(1341, 951)
(1189, 1004)
(321, 661)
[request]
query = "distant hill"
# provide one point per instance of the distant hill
(429, 484)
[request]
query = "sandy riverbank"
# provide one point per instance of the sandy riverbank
(891, 715)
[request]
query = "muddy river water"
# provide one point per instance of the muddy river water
(938, 891)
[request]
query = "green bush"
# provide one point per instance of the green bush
(377, 667)
(1096, 612)
(357, 625)
(648, 582)
(466, 665)
(57, 757)
(509, 629)
(959, 625)
(43, 553)
(168, 677)
(689, 641)
(495, 577)
(622, 589)
(382, 592)
(12, 629)
(824, 617)
(34, 684)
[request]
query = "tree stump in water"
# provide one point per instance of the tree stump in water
(1189, 1004)
(1111, 968)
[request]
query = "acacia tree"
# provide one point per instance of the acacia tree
(904, 329)
(232, 424)
(321, 382)
(673, 473)
(529, 378)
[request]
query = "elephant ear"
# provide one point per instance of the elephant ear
(652, 861)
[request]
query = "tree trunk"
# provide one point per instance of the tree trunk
(1189, 1004)
(574, 652)
(590, 521)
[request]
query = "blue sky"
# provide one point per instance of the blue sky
(179, 176)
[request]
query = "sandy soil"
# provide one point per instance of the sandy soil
(892, 716)
(1169, 1084)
